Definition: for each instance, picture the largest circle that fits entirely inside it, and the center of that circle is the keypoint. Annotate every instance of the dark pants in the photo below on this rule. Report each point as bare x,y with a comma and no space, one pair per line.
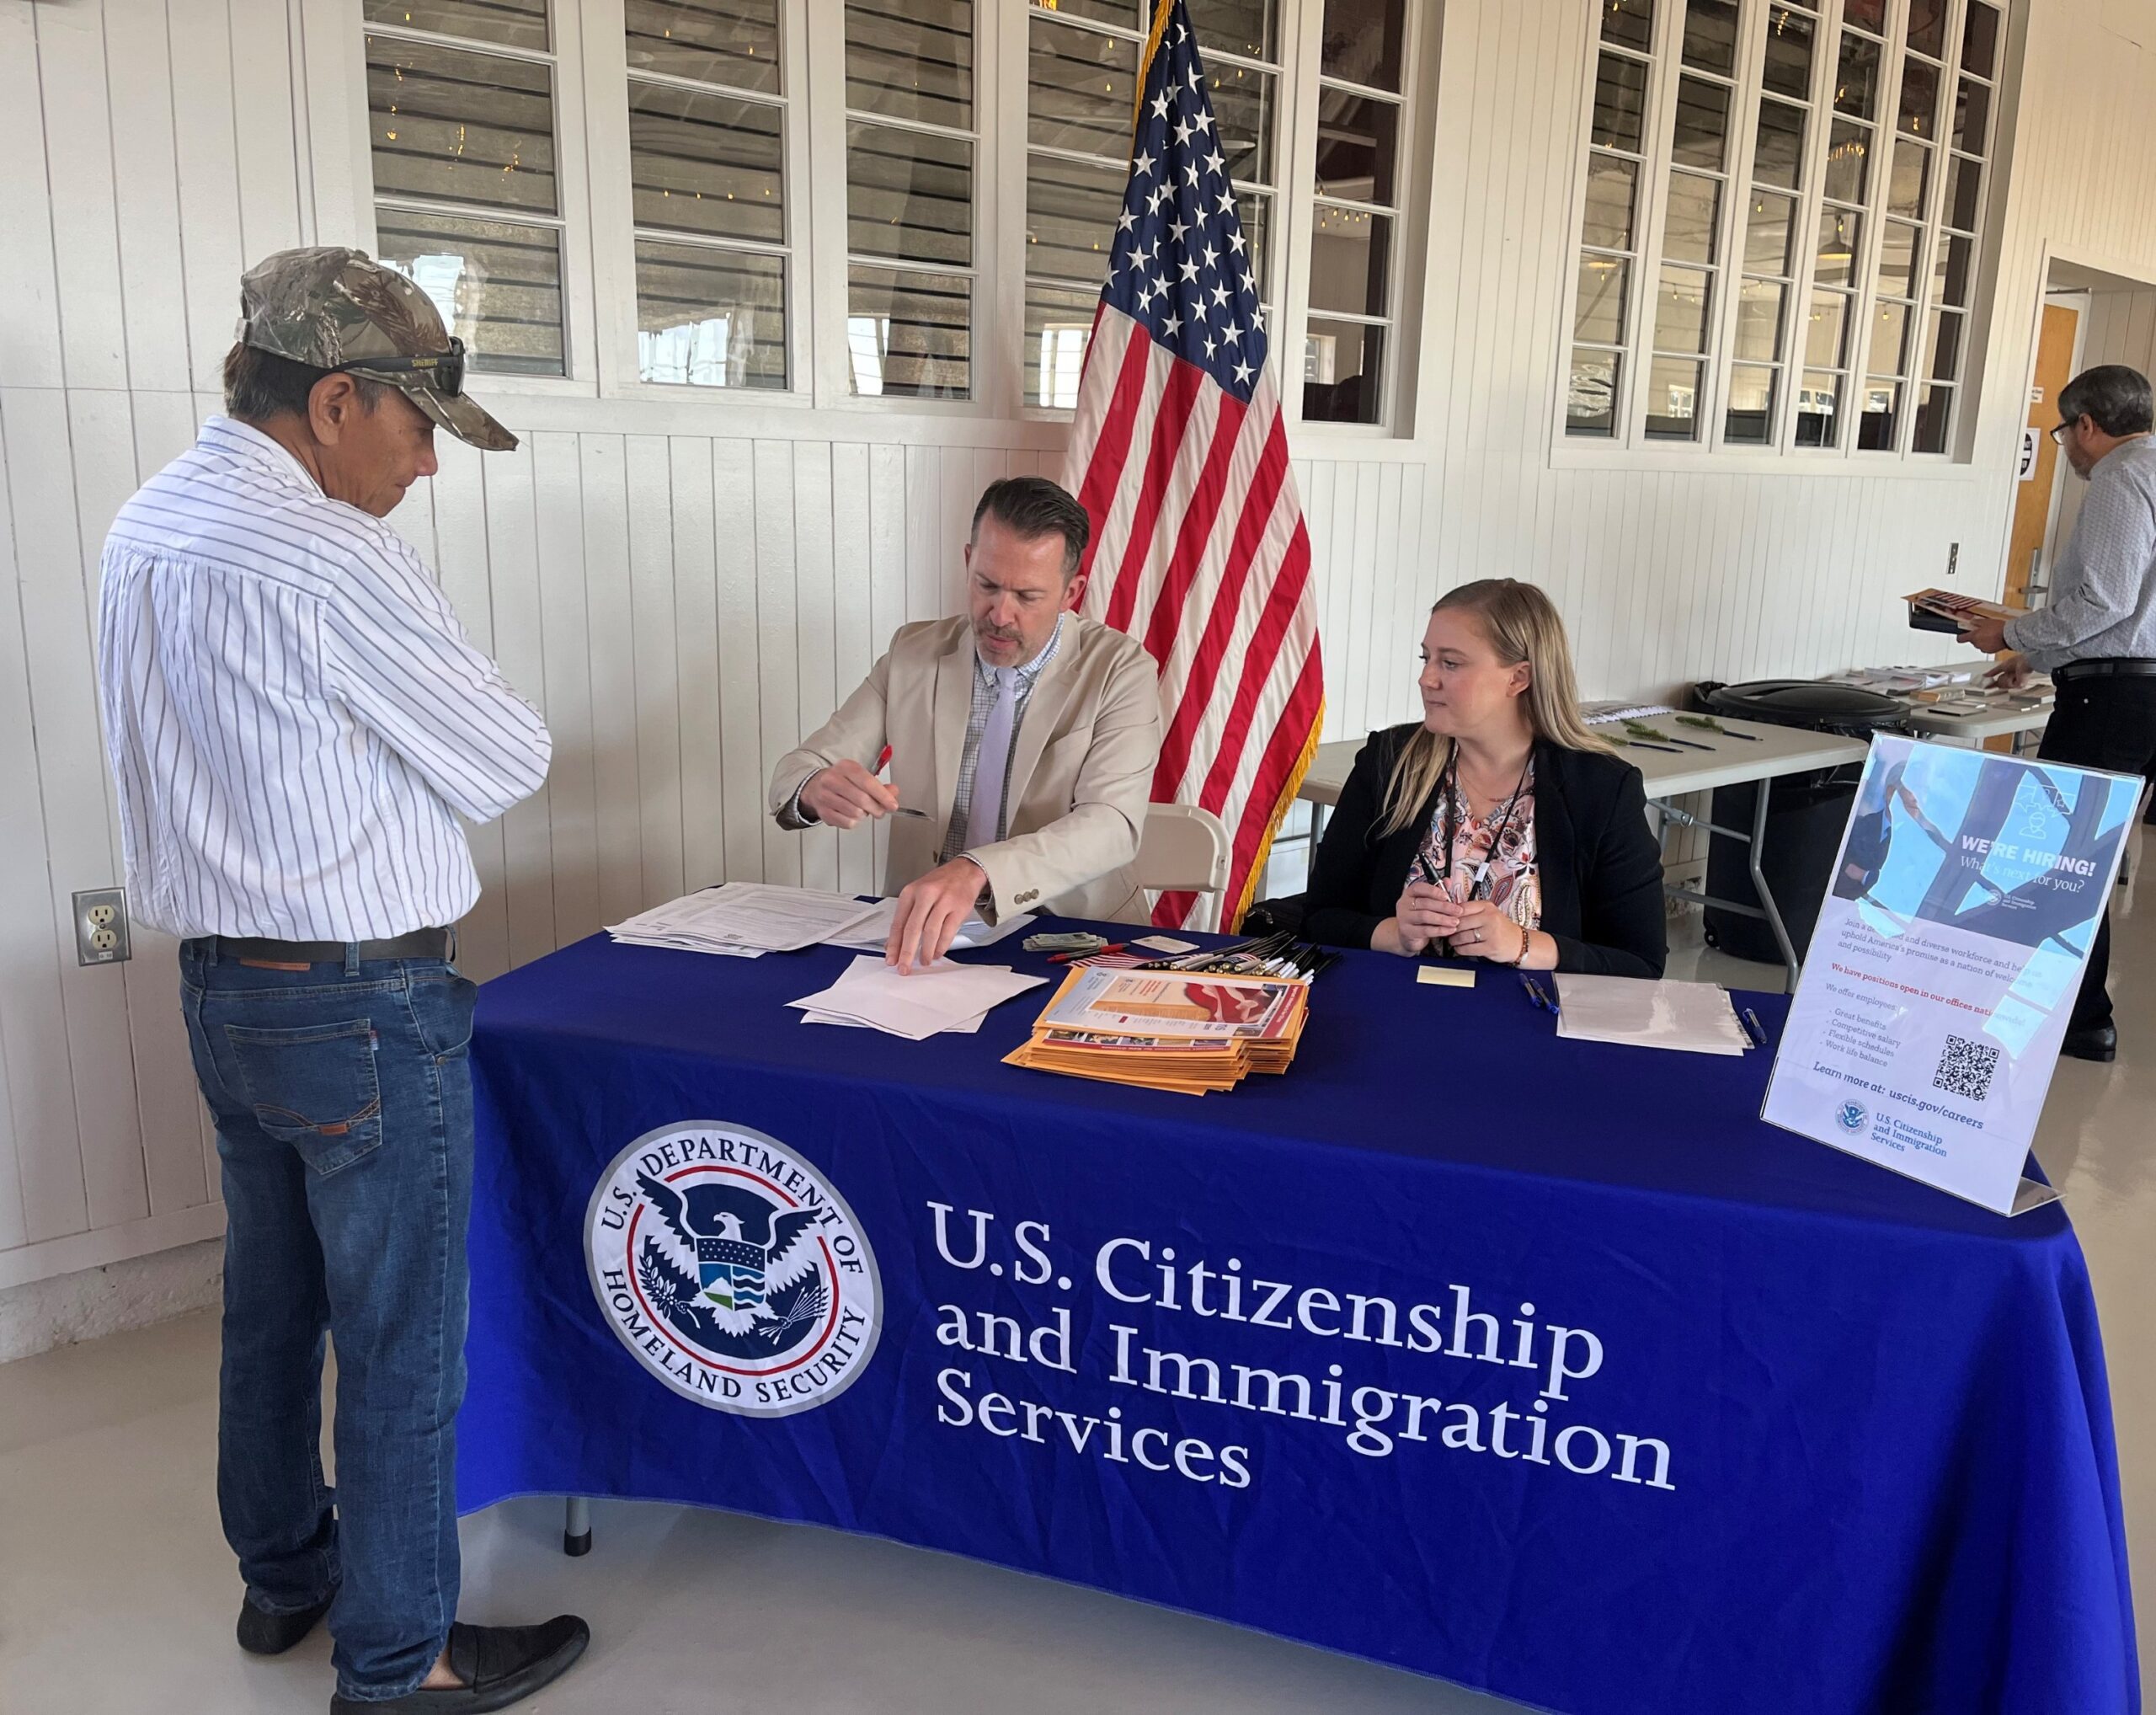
343,1100
2111,723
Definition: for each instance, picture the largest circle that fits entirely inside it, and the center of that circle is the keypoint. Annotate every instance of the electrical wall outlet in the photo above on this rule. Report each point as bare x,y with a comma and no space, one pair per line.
101,926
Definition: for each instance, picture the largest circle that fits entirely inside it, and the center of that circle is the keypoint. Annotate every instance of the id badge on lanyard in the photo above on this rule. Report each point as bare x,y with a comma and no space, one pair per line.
1455,812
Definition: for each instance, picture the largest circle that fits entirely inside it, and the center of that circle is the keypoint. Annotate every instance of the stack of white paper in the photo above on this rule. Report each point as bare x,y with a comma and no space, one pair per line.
744,919
937,998
1692,1016
1616,708
873,932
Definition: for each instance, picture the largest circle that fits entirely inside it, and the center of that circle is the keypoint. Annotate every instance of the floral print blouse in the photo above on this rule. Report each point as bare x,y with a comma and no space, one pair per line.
1513,882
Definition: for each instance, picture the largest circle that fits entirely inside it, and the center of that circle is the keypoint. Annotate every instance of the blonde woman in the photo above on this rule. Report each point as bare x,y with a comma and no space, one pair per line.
1501,828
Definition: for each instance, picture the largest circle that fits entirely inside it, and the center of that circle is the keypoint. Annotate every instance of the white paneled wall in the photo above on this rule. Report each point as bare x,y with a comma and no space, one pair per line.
686,587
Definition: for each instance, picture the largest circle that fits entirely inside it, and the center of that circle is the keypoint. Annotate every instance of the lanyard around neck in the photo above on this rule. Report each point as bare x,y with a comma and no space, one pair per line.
1455,810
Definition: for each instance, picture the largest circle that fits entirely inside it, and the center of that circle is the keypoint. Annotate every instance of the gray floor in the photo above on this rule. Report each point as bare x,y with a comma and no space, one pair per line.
116,1594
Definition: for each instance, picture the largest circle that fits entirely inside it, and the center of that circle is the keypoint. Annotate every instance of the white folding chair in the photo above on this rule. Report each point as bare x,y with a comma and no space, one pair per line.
1184,849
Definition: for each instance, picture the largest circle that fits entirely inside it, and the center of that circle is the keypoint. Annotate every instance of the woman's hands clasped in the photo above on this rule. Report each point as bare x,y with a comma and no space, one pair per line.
1427,913
1480,930
1422,907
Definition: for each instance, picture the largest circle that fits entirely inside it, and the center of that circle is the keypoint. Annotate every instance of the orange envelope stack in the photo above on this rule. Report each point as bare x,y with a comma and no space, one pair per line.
1167,1030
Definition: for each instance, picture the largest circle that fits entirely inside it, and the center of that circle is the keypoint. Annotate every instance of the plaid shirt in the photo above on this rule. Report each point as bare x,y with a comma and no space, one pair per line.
983,702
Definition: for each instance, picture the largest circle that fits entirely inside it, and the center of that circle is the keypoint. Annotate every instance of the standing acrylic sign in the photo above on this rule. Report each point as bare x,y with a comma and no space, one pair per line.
1927,1022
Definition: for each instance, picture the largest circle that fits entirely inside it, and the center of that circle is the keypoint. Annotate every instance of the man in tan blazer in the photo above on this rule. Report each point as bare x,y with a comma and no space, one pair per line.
1023,738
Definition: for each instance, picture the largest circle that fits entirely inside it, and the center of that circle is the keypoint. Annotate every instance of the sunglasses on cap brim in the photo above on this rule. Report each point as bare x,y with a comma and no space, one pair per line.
443,372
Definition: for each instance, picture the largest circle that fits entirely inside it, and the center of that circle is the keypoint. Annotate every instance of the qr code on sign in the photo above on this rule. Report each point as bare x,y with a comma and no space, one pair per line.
1965,1069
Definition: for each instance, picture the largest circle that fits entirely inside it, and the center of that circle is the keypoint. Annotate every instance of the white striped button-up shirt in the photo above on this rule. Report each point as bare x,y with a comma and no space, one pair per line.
293,714
2103,599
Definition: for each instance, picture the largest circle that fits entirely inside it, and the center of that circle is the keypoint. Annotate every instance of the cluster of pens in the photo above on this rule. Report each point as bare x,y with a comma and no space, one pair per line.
1277,954
1539,996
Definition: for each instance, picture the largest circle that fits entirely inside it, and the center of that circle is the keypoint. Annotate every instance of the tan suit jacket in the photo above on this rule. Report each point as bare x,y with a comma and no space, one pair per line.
1080,778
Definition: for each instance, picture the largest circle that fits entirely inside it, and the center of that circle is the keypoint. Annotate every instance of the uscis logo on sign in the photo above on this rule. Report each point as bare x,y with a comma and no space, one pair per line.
732,1269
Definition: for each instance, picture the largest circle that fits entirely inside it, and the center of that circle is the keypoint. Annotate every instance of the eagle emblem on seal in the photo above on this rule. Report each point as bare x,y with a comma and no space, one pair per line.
756,1269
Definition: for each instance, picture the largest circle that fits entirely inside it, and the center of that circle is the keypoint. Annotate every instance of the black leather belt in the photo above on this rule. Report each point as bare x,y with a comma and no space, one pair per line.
2119,668
420,944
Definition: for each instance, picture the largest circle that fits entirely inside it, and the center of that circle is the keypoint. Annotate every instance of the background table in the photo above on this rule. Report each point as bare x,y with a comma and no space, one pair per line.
1890,1483
1768,754
2005,715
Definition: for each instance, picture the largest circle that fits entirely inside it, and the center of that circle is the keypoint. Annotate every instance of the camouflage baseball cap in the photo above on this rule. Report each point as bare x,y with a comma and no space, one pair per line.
333,308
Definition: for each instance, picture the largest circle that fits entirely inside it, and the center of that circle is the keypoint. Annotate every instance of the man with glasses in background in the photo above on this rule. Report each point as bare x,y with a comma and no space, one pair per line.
2097,635
295,720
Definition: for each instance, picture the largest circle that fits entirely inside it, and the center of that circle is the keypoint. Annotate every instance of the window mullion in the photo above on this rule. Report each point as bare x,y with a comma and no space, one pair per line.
998,317
1812,198
1877,188
821,246
1295,204
606,89
1414,189
1656,171
1737,199
1932,243
469,44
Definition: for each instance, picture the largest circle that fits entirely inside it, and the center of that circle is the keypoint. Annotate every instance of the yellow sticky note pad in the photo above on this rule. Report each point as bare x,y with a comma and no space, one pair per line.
1444,977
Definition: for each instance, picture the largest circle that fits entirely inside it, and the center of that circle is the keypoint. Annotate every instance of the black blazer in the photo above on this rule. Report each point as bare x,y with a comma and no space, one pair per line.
1600,868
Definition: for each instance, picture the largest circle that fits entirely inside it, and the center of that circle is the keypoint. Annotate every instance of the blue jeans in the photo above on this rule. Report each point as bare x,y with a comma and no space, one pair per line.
342,1094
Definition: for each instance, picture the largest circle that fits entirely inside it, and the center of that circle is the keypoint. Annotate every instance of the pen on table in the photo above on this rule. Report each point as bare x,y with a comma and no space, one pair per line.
1753,1024
1640,730
1642,745
1708,724
1090,952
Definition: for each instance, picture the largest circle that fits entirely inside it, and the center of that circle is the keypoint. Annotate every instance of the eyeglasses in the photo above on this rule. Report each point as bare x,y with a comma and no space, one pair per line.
443,372
2057,432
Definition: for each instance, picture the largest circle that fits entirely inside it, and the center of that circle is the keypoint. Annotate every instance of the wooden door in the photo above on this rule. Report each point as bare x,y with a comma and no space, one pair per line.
2032,500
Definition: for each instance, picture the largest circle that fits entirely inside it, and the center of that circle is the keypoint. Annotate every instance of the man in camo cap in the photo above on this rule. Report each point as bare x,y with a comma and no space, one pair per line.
332,308
295,720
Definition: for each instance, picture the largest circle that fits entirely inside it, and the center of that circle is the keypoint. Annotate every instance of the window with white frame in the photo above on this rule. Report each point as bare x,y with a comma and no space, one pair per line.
1082,59
707,189
460,117
1780,190
910,137
1349,344
690,210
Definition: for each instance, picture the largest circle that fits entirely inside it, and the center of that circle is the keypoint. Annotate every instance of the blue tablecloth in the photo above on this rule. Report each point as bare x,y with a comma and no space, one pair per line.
1586,1386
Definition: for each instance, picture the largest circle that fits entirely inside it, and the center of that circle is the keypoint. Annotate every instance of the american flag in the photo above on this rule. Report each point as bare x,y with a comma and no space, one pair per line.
1179,456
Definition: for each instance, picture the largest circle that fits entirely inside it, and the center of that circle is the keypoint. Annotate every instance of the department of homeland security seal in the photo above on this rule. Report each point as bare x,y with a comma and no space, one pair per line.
732,1269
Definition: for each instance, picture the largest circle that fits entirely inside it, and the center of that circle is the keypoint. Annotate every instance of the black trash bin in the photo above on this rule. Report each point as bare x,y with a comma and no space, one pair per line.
1805,812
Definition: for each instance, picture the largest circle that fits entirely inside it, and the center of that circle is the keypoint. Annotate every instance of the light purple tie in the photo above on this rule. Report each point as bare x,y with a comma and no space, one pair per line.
984,815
